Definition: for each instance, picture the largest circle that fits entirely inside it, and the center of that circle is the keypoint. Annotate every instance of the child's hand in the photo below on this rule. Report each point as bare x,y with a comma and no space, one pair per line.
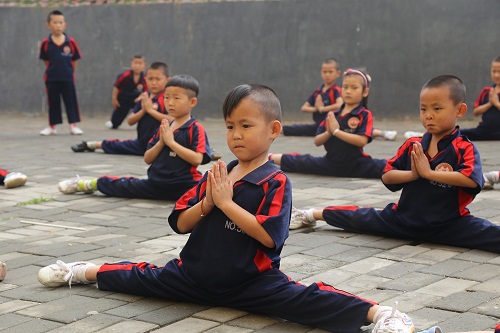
141,96
147,104
115,103
331,122
318,103
221,186
420,161
166,133
494,100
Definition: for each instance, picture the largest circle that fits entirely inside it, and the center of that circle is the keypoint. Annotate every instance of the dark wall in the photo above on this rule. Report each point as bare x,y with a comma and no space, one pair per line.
278,43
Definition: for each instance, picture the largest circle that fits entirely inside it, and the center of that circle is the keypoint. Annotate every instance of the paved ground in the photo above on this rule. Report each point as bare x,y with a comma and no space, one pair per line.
457,288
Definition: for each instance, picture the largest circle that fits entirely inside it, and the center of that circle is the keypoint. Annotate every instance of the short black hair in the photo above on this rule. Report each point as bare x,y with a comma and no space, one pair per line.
161,66
54,13
453,83
140,56
265,97
187,82
332,61
497,59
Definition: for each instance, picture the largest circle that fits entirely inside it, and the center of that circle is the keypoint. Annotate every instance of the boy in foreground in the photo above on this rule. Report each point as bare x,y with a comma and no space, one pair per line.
238,217
439,173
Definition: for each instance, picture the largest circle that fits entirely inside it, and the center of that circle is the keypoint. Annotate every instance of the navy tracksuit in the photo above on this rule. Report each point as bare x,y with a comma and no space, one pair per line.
220,265
428,211
489,127
128,91
3,173
342,159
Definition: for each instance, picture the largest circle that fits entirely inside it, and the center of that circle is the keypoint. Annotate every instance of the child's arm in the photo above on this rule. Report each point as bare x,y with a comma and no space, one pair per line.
320,106
307,107
152,153
482,108
114,98
188,155
333,129
421,163
134,117
147,105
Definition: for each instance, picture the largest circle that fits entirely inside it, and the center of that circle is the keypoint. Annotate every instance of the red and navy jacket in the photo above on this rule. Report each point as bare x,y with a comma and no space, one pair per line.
427,203
168,169
358,121
491,118
147,125
59,58
329,97
217,245
127,88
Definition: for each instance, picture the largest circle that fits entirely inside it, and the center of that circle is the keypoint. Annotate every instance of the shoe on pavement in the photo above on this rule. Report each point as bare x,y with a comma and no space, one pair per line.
434,329
60,273
299,220
395,322
215,155
48,131
81,147
108,124
390,135
15,179
3,270
410,134
490,178
75,130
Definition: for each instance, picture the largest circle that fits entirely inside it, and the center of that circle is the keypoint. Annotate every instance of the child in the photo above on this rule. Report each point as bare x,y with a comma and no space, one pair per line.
488,106
323,100
238,218
60,52
174,152
440,174
148,113
12,179
128,86
344,133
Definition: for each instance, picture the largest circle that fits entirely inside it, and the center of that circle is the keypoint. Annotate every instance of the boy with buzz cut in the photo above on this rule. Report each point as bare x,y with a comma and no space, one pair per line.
237,217
148,113
174,153
440,174
60,52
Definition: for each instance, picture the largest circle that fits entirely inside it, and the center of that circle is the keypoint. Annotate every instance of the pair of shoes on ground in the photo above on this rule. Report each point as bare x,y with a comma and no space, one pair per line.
389,135
81,147
490,178
299,220
52,131
70,186
60,273
15,179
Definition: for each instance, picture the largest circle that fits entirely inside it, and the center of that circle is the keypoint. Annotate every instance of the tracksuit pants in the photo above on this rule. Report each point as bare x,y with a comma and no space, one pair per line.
124,147
66,90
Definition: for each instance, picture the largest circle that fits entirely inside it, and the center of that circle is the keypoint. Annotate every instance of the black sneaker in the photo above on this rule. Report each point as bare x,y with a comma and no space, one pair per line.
81,147
215,155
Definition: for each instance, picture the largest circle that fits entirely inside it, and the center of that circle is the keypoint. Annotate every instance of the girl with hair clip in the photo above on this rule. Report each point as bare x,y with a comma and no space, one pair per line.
343,133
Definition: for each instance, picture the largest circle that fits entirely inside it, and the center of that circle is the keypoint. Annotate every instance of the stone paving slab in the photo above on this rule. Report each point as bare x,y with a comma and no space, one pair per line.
456,288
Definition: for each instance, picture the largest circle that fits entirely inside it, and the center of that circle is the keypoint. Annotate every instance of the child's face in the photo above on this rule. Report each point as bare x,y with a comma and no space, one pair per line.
57,24
156,80
438,112
249,134
178,103
137,65
495,72
329,73
352,89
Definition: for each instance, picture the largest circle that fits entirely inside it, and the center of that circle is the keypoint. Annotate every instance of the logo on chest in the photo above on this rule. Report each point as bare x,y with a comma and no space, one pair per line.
140,87
443,167
230,225
67,51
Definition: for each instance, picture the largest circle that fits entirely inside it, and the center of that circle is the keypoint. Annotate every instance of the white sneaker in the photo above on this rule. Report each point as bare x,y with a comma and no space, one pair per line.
48,131
299,220
410,134
396,322
3,270
108,124
75,130
490,178
59,274
390,135
15,179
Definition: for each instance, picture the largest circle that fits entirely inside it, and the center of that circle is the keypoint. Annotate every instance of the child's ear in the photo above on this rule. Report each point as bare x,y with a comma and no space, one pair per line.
366,92
462,110
193,102
275,129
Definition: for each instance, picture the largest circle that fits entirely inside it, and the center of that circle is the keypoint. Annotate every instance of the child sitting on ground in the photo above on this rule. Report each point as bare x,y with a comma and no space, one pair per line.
439,173
174,152
237,217
147,114
343,133
127,87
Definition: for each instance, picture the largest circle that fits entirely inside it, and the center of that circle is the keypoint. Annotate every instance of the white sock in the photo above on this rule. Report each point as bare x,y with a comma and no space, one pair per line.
79,272
91,144
309,215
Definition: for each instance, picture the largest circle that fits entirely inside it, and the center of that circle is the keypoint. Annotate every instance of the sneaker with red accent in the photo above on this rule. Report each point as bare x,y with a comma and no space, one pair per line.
395,322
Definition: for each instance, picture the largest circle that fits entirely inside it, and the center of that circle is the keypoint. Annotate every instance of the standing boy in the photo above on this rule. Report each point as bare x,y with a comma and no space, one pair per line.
60,52
174,153
238,218
148,113
439,173
127,87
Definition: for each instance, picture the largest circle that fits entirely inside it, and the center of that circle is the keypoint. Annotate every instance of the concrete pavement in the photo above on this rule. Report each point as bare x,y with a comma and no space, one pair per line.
456,288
